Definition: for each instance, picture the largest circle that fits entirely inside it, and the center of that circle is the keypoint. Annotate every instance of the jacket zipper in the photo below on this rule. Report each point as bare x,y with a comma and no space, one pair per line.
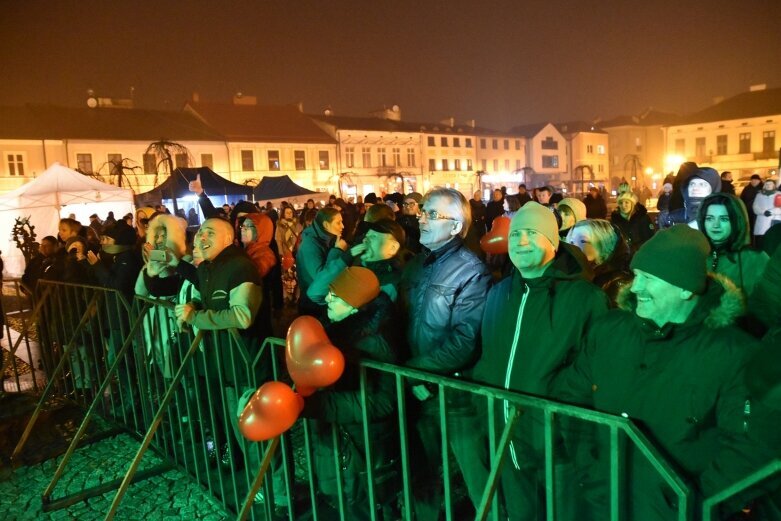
510,364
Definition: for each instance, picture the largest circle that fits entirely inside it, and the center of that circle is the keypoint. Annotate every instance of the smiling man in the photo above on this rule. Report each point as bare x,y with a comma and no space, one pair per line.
533,323
670,359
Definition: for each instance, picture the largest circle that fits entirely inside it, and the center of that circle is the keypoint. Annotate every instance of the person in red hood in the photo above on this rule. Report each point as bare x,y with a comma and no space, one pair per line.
257,232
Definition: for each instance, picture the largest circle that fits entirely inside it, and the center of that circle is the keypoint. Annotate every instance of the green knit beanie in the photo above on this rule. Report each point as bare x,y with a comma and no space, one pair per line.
677,255
534,216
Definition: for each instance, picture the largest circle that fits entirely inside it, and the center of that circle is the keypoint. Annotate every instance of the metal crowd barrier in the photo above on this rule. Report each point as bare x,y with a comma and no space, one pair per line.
19,342
177,392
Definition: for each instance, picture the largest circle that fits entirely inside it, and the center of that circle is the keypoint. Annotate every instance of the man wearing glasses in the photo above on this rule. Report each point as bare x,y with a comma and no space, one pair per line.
444,289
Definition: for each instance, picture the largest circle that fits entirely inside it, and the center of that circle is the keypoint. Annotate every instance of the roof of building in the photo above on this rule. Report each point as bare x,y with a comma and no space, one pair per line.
389,125
573,127
649,117
765,102
260,123
528,130
55,122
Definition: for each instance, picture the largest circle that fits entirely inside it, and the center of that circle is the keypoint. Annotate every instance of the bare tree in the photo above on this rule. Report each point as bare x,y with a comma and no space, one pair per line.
633,163
164,152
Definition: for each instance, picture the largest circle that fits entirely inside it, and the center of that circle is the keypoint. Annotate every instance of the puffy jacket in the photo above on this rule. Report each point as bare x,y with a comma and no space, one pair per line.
765,202
637,229
681,383
310,260
444,295
259,250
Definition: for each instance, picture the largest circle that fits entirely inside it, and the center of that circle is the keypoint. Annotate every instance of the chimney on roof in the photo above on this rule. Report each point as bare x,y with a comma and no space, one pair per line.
115,103
472,123
393,113
450,122
242,99
757,87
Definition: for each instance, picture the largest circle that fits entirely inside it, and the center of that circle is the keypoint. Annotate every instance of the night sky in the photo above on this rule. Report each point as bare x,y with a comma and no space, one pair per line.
501,63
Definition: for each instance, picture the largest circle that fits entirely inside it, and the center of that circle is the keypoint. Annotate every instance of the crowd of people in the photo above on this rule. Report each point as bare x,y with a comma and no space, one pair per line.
673,323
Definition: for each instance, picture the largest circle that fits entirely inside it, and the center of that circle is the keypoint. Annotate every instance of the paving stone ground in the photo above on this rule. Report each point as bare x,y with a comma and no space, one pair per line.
171,496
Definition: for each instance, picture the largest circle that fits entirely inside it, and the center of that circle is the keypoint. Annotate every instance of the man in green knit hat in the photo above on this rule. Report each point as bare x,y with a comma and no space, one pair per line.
671,360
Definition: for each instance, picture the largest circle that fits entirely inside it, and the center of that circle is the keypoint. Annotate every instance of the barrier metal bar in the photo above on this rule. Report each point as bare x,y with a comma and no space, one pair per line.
749,481
404,441
23,334
46,498
367,443
39,407
615,475
496,465
550,481
152,429
258,482
491,414
444,447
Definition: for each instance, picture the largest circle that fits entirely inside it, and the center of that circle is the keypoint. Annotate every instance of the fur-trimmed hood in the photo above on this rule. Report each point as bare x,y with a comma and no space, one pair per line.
719,306
175,232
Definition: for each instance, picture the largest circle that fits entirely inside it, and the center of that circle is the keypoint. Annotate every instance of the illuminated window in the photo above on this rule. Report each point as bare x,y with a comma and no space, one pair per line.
507,144
115,162
349,154
601,150
396,156
15,163
469,164
517,164
456,142
496,165
468,142
443,141
182,160
458,164
517,144
432,165
381,159
589,149
273,160
410,157
247,161
721,145
484,165
207,160
366,157
150,163
745,143
445,164
769,141
549,144
699,147
324,160
495,144
431,141
83,163
300,158
550,161
482,143
507,164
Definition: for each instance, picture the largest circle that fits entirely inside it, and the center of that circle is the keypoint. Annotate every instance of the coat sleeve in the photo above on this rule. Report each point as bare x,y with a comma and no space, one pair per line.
310,260
767,292
336,263
206,206
244,302
460,346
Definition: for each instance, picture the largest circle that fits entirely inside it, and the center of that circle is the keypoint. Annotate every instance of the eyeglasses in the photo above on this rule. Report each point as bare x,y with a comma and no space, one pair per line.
433,215
408,204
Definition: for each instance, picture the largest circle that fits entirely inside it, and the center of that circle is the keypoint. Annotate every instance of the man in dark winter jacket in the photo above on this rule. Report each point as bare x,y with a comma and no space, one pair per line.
495,208
748,195
532,326
726,183
596,208
444,290
695,186
671,360
316,241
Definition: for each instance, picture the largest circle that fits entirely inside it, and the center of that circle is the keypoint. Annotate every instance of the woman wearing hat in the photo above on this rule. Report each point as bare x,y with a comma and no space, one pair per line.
766,210
633,221
361,323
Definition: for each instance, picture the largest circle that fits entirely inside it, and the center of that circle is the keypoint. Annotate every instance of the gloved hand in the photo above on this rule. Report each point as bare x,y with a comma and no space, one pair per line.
768,213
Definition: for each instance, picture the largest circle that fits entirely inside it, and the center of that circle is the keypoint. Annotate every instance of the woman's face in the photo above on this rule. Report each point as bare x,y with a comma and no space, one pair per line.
625,206
248,232
288,213
582,239
769,186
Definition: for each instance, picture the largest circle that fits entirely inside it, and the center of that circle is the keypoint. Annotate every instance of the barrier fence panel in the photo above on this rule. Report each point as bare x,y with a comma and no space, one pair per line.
375,452
22,363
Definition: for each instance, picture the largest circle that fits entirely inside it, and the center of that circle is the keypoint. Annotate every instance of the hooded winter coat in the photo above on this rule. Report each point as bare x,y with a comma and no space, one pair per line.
259,250
310,260
734,259
681,384
613,273
691,205
637,229
764,204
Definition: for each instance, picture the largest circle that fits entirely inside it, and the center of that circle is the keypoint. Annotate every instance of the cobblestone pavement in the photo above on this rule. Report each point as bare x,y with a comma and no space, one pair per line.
169,497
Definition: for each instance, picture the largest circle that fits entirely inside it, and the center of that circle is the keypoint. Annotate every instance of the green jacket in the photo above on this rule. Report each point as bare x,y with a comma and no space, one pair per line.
682,384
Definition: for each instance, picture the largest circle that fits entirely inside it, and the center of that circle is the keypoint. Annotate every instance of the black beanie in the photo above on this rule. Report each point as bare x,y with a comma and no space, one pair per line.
677,255
122,234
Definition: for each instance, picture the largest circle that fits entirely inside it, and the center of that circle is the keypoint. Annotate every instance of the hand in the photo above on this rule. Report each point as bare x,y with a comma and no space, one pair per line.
768,213
155,268
341,244
145,249
421,392
184,312
92,258
195,186
358,249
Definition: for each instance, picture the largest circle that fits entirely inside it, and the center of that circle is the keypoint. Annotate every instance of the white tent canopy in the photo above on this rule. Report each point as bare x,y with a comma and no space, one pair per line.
57,192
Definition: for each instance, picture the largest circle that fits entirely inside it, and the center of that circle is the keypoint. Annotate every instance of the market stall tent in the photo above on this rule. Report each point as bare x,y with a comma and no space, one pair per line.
281,188
58,192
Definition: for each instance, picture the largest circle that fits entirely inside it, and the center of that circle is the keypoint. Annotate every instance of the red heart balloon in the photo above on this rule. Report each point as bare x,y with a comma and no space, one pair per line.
271,410
495,241
777,201
287,261
311,359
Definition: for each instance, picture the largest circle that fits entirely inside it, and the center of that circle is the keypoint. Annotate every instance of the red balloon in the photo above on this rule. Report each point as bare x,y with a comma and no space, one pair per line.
311,359
271,410
495,241
777,201
288,261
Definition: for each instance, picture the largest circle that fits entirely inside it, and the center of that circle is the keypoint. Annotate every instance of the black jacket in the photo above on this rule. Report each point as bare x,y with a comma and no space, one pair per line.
637,229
